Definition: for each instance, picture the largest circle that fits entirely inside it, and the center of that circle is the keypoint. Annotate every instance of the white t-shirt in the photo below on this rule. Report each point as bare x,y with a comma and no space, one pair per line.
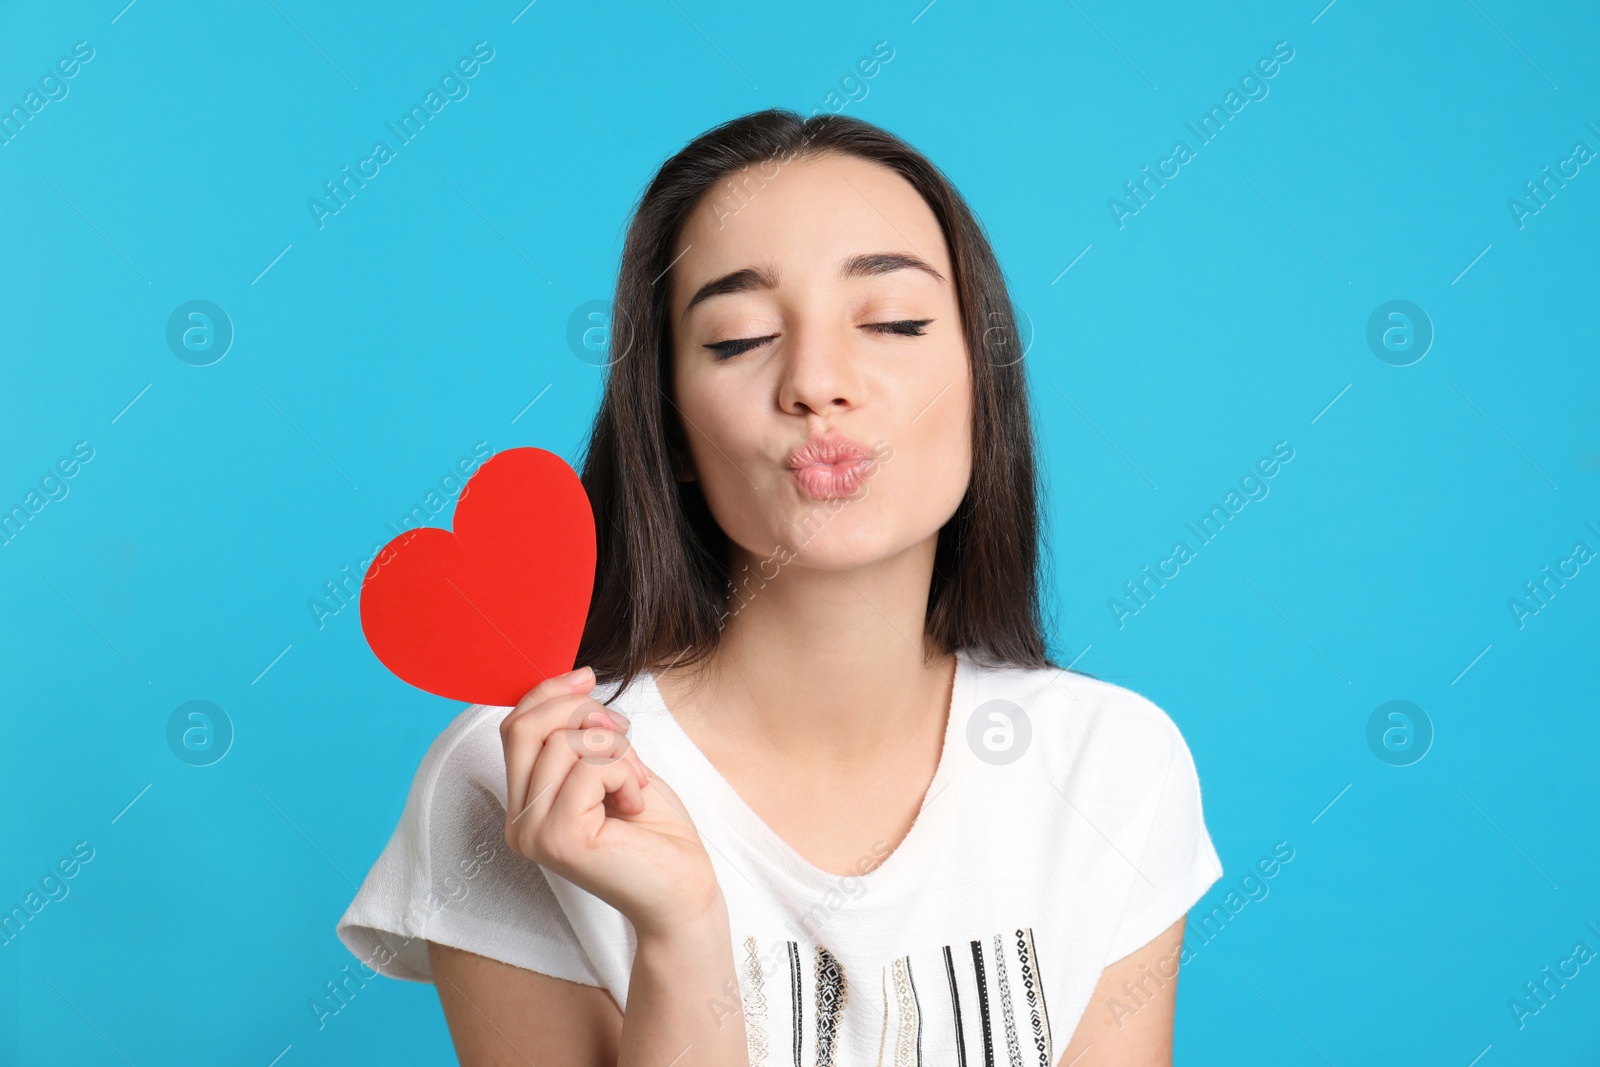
987,927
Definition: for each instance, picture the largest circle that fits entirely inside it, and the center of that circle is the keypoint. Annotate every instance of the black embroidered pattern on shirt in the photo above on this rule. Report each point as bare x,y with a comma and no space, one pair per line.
902,1040
1012,1048
831,991
795,1000
917,1002
1035,989
955,1007
983,1004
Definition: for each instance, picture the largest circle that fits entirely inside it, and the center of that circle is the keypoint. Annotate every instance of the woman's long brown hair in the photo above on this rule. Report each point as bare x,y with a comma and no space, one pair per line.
661,577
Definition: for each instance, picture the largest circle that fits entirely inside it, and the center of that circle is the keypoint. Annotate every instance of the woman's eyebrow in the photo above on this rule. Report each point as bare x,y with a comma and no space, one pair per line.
884,263
739,281
766,277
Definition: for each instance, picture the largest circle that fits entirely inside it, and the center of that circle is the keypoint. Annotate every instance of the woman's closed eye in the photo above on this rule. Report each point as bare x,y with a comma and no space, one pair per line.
736,346
906,327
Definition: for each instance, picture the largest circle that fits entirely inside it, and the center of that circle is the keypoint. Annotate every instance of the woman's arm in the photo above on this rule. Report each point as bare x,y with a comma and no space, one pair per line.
581,803
678,1001
1128,1022
505,1016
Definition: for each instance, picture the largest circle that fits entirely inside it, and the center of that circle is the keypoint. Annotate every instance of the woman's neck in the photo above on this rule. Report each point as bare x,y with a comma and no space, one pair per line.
830,668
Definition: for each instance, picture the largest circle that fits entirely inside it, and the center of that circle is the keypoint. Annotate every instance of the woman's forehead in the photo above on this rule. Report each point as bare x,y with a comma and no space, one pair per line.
809,216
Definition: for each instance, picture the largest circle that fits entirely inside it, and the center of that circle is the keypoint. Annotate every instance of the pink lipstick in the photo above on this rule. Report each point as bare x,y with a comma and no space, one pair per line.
831,465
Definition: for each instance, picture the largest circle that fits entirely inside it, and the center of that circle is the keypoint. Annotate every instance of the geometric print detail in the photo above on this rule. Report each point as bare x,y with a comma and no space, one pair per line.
796,1001
989,982
983,1003
831,992
755,1004
1012,1050
1035,992
981,998
908,1039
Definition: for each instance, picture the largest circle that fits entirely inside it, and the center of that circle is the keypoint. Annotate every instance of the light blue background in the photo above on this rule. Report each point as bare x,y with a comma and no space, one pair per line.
426,315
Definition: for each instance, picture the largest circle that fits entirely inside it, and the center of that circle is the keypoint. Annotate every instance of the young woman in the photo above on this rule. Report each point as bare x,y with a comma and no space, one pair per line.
817,794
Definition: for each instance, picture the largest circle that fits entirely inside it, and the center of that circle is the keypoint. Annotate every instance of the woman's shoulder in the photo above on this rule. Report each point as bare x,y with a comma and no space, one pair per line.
1091,741
1109,779
467,748
1072,713
448,876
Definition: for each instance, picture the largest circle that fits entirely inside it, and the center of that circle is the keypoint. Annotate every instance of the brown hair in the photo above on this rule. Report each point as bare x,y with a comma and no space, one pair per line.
661,575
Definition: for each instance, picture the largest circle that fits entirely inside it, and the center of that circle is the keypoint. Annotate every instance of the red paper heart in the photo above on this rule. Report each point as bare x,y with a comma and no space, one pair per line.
486,611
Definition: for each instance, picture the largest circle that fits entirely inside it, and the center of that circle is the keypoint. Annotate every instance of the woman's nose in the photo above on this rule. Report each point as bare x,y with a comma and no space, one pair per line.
820,369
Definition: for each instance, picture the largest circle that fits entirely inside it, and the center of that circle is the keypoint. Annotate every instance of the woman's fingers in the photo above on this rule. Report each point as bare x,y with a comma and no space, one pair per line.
555,731
629,799
524,729
607,719
538,787
555,686
573,744
523,734
516,734
566,805
586,787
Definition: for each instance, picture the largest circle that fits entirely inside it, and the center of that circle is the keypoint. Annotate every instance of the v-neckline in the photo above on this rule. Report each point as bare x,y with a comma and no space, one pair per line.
895,876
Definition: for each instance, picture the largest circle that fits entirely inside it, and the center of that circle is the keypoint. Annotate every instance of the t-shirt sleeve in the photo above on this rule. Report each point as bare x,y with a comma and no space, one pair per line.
448,876
1179,862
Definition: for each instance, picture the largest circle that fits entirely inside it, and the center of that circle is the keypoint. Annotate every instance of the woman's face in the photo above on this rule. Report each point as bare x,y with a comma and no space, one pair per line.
835,282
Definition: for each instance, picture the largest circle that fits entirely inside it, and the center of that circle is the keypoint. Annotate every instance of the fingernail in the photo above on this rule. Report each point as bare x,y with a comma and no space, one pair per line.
621,723
579,676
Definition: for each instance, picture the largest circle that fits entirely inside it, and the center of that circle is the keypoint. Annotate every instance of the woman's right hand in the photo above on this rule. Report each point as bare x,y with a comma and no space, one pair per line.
580,802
